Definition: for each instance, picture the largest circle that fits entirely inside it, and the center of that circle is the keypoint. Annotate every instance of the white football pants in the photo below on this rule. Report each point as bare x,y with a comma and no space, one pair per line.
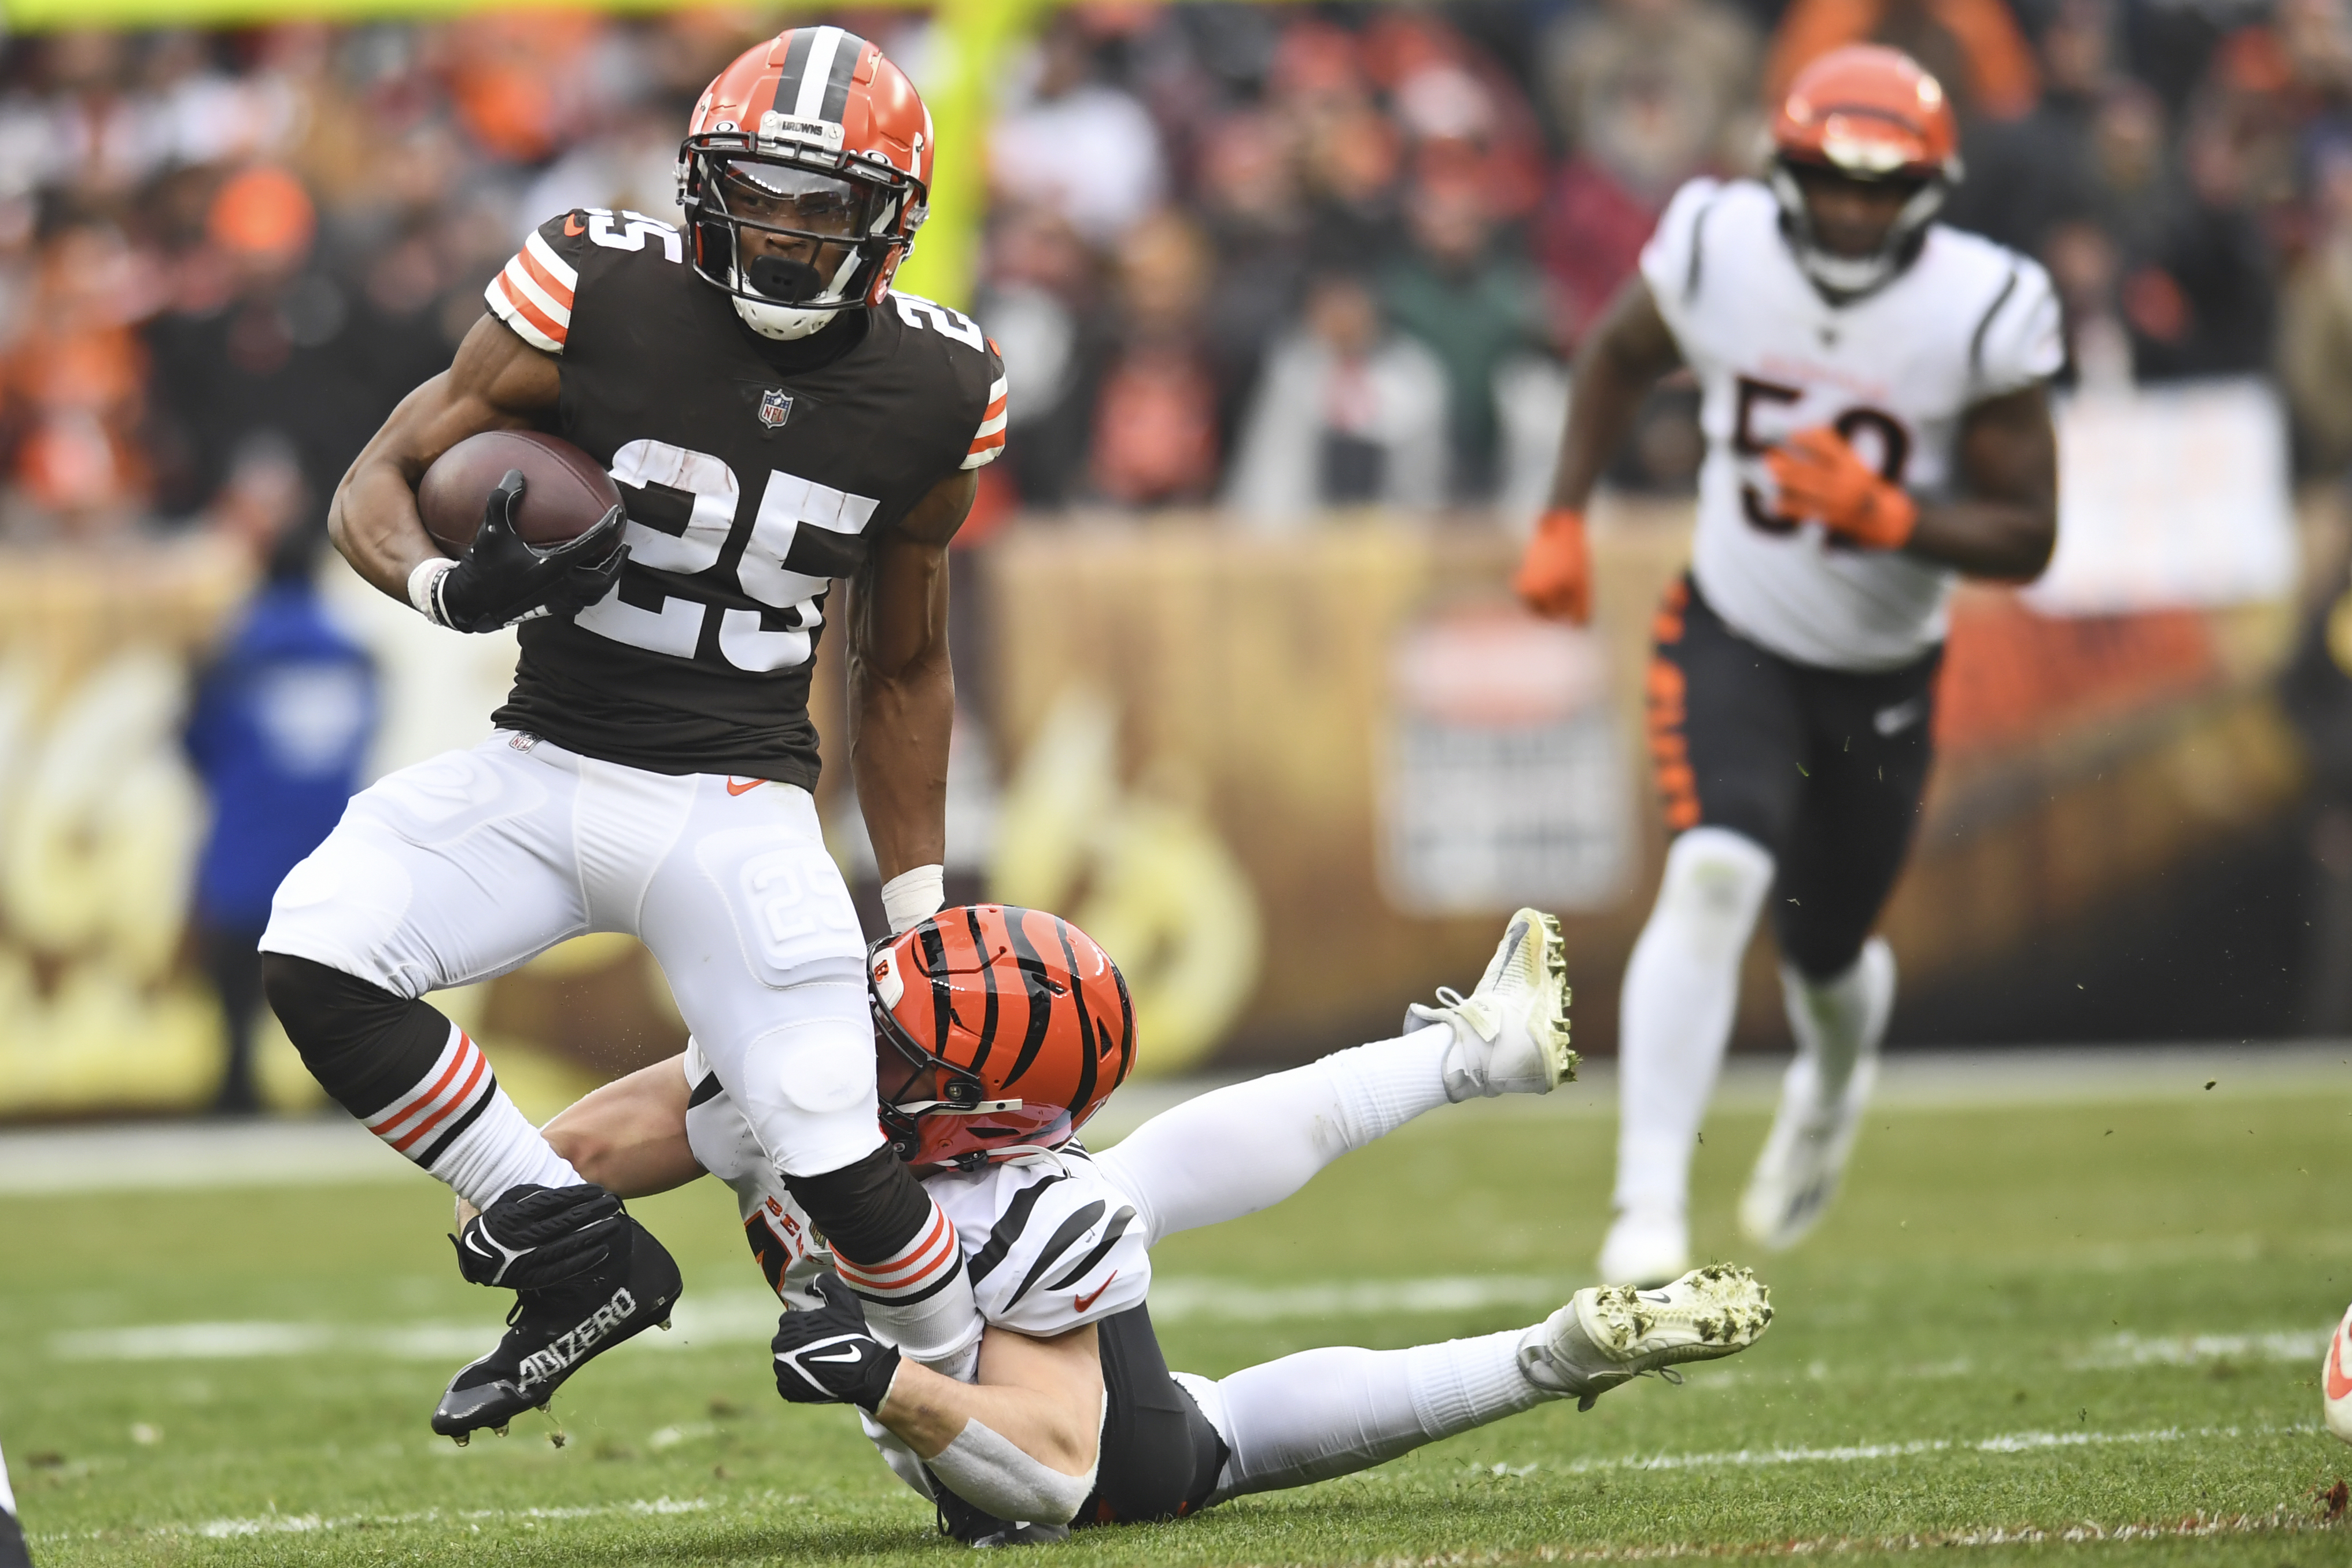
470,864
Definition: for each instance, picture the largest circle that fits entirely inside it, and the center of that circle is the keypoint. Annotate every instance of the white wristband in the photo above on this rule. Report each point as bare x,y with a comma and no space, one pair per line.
992,1473
913,897
421,583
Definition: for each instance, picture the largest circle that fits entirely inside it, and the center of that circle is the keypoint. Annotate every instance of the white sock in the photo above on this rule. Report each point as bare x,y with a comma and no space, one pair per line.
8,1498
1681,987
459,1124
1838,1021
1325,1412
1247,1146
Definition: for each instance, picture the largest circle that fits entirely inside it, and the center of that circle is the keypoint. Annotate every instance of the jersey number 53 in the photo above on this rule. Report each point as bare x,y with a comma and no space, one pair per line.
1894,447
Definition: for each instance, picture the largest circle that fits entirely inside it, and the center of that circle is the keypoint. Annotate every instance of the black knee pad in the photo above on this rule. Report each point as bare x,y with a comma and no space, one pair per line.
366,1046
869,1211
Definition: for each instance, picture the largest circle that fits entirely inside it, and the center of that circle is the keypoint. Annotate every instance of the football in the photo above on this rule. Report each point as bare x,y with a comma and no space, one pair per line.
565,491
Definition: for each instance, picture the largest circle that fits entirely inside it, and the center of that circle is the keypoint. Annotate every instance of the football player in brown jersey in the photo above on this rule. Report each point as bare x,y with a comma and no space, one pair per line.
776,417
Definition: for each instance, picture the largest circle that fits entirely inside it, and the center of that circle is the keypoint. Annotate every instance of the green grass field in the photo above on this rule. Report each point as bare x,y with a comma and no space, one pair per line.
2042,1333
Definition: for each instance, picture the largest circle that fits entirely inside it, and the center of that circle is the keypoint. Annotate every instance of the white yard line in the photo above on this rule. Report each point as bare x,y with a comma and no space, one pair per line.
2195,1527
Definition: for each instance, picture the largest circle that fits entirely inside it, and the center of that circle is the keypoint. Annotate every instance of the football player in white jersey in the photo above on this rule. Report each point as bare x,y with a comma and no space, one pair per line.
1877,427
1001,1031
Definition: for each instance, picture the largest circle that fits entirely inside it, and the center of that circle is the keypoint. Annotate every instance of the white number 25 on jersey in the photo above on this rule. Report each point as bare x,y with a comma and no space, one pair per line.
788,505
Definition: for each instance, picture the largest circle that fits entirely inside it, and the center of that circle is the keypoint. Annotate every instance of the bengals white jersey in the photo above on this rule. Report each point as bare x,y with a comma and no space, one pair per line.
1049,1242
1893,372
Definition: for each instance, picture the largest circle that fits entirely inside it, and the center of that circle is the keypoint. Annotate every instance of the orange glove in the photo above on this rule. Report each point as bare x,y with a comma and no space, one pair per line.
1555,577
1820,477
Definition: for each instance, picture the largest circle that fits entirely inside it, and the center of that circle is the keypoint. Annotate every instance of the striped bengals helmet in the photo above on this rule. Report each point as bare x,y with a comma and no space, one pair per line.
1000,1030
1865,112
817,139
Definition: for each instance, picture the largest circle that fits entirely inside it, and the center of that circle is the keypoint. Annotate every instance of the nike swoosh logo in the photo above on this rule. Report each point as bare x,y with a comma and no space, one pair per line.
1082,1303
745,787
2339,1385
848,1353
571,225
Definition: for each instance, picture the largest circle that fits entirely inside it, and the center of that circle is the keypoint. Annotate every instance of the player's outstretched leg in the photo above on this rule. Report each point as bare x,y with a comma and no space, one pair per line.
1838,1024
1510,1034
2336,1380
1682,986
1325,1412
1246,1147
585,1276
13,1552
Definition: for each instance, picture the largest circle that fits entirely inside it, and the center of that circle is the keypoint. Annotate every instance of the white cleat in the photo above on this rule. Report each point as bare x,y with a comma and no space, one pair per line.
1803,1160
1510,1034
1608,1334
1646,1249
2336,1381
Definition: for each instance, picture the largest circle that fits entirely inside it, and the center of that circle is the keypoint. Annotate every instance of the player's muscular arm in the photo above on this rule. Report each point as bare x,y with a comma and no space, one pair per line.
901,689
497,382
629,1136
2006,523
1621,360
1043,1396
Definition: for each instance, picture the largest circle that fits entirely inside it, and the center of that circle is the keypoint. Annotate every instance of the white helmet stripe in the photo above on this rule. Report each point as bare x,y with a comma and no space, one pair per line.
817,74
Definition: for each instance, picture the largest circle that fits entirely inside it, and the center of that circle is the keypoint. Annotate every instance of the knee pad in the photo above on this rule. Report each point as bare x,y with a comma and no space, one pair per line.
366,1046
1715,884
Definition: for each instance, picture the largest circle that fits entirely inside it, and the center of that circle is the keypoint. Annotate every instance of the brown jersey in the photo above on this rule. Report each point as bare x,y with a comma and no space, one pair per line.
755,473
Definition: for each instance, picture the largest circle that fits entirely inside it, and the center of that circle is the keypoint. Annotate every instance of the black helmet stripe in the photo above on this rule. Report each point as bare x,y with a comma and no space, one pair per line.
814,83
935,962
988,986
1040,989
1086,1089
836,83
788,81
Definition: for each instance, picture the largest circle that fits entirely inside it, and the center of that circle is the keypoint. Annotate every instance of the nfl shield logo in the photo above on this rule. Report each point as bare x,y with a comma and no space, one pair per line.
774,408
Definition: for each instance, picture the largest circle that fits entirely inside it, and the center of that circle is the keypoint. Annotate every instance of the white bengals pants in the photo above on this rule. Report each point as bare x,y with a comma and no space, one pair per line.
468,865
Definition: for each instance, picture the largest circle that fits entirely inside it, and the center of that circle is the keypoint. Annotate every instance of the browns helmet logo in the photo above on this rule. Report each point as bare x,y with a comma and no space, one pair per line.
998,1030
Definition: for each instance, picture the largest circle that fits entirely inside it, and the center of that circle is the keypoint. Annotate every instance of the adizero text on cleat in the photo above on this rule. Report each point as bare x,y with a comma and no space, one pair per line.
1608,1334
556,1330
1510,1034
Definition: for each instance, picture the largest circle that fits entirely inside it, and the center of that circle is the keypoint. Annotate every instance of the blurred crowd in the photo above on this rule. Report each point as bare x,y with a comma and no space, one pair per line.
1273,257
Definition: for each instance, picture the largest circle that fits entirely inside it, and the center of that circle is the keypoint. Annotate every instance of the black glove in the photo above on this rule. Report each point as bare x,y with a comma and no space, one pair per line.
501,579
825,1355
534,1237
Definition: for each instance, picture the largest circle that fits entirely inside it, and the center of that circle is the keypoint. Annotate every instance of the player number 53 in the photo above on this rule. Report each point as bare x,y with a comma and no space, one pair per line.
1893,440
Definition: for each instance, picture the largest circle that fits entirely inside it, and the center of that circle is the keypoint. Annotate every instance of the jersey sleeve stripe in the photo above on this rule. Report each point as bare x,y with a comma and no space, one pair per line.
531,324
524,288
1111,1233
1976,339
1008,1229
548,270
982,454
1063,1239
993,423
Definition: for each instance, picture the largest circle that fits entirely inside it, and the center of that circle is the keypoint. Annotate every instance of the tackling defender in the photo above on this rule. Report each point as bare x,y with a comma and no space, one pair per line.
1064,1410
1877,427
775,417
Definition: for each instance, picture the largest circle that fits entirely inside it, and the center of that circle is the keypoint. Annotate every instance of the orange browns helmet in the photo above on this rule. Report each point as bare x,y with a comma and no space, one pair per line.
1866,112
999,1029
813,136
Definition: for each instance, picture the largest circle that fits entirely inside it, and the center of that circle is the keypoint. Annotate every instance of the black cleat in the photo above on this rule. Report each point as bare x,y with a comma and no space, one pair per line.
585,1276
